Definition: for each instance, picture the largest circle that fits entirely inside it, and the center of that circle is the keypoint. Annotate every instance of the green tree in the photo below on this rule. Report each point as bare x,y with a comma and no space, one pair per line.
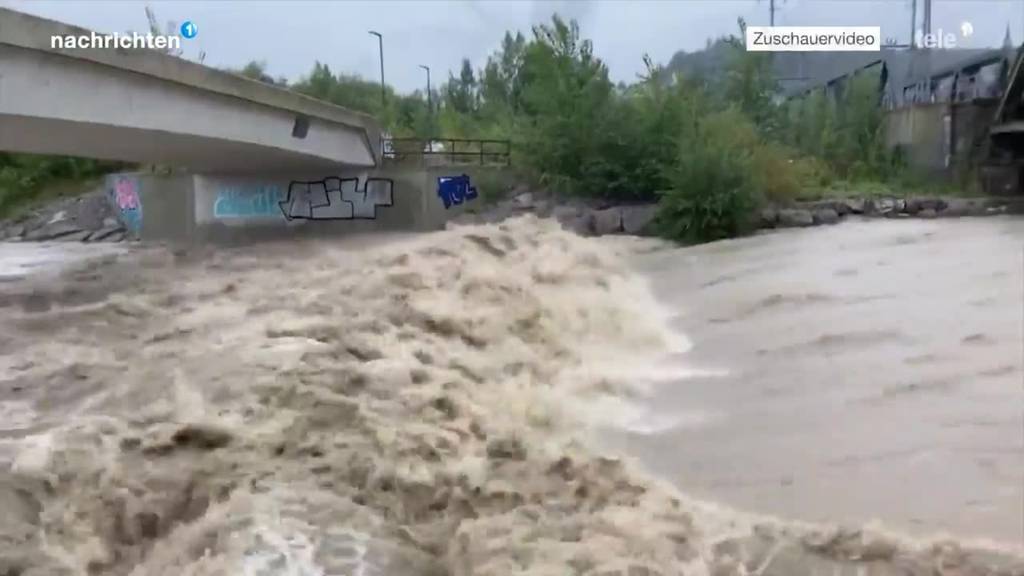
345,90
565,99
460,94
257,70
750,82
500,84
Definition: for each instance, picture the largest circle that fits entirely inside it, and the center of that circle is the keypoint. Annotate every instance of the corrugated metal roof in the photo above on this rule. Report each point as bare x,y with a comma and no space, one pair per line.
801,71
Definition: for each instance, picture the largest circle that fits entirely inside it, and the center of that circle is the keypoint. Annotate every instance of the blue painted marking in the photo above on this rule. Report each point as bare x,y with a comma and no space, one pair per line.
455,190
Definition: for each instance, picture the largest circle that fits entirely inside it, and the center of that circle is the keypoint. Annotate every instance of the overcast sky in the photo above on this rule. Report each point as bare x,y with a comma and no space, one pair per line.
290,35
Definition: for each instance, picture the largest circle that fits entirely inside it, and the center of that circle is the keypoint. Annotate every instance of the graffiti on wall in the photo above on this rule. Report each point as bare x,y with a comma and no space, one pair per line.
124,193
248,201
337,199
455,190
332,198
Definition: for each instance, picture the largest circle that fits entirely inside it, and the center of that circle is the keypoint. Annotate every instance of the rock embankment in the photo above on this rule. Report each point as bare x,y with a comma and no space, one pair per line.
586,217
589,217
832,211
87,218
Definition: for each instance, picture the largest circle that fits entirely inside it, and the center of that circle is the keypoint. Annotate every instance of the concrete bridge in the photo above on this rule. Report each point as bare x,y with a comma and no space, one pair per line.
146,106
249,159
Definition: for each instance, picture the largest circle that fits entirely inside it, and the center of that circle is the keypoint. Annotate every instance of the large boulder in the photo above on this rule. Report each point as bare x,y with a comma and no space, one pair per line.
542,208
80,236
637,219
769,217
13,231
917,205
856,205
793,217
107,231
1013,205
879,206
54,231
964,207
608,221
523,201
92,210
573,218
564,212
825,216
840,207
582,225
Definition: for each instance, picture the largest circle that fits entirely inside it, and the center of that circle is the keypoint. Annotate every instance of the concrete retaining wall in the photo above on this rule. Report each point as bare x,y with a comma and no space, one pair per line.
920,131
232,208
941,139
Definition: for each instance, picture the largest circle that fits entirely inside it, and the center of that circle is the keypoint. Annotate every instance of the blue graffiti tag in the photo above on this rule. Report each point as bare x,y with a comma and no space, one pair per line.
455,190
256,201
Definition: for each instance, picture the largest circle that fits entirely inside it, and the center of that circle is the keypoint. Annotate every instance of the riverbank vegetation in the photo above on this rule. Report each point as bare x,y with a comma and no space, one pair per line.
27,179
711,148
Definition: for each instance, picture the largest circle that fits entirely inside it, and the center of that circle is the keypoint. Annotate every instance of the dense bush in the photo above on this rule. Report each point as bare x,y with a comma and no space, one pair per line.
724,170
845,131
712,193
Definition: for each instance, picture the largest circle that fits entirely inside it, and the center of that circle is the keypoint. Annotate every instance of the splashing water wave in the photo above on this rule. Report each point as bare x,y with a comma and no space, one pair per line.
417,406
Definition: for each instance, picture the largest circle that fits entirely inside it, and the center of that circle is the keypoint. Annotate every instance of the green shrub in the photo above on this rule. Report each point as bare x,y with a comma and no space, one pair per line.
775,174
712,194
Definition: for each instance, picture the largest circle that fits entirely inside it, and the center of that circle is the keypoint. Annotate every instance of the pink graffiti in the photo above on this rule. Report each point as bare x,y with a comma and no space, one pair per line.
126,196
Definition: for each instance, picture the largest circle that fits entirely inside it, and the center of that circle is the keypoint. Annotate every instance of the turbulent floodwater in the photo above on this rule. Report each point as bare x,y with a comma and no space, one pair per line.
866,371
393,406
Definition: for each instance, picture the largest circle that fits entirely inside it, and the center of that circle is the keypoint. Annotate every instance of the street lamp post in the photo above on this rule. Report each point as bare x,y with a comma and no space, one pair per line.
380,45
430,102
430,107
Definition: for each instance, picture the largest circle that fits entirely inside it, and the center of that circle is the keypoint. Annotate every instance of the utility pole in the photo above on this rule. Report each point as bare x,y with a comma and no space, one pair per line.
771,12
913,24
927,25
380,45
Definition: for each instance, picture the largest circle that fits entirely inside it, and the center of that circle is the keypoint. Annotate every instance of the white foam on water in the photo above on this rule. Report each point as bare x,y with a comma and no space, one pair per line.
16,415
19,259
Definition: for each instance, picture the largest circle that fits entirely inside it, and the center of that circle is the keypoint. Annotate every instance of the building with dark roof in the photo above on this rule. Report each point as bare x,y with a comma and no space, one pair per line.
910,76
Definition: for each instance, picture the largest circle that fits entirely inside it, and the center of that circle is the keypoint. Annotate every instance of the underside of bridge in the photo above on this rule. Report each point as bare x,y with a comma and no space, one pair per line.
146,106
103,141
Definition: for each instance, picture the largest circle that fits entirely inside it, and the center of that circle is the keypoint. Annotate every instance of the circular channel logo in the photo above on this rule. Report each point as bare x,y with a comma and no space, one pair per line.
188,29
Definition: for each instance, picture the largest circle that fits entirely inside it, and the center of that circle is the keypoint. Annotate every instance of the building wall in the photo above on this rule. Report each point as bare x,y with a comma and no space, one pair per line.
919,130
972,121
940,139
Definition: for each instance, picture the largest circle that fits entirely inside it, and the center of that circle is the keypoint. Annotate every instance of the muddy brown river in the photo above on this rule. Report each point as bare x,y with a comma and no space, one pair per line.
859,372
833,400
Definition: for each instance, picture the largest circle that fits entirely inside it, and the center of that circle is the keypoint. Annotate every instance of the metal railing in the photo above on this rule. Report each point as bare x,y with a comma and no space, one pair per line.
453,150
